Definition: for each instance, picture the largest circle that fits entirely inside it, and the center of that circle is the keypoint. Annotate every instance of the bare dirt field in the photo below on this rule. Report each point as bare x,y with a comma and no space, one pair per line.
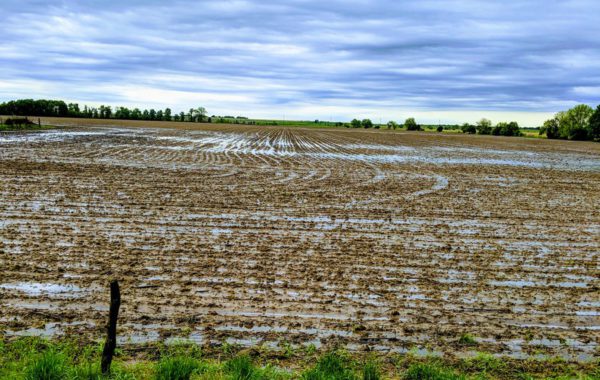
271,235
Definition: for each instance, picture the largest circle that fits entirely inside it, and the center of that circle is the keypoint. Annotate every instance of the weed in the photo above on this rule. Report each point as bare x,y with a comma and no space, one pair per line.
371,371
241,368
331,366
467,339
50,365
429,371
176,368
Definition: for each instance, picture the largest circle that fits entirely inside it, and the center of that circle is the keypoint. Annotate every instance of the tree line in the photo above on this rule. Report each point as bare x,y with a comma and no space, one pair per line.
482,127
581,122
410,124
58,108
485,127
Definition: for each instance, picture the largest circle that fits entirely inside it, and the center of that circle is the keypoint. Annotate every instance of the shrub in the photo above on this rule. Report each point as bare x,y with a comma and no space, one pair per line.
440,129
18,122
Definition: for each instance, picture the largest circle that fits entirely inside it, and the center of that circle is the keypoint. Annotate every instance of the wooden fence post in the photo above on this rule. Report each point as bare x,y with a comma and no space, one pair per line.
111,338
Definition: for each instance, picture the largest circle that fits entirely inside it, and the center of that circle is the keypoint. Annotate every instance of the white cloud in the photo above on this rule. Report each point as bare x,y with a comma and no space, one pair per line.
451,61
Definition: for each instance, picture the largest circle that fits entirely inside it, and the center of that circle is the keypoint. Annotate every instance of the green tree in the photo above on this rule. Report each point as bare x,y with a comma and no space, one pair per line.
152,114
201,113
498,128
594,131
136,114
575,123
512,129
551,128
356,123
167,114
484,127
107,112
411,125
440,128
468,128
367,123
392,125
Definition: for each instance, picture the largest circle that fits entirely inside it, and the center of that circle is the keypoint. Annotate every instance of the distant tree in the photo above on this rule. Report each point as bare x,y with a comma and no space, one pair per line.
123,113
182,116
152,114
73,110
159,115
468,128
551,128
594,131
440,128
136,114
355,123
484,127
411,125
30,107
367,123
512,129
167,114
392,124
146,115
498,128
201,113
575,123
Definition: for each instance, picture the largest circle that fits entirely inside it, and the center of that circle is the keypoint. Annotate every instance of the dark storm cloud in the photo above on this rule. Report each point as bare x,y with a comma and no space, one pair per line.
317,57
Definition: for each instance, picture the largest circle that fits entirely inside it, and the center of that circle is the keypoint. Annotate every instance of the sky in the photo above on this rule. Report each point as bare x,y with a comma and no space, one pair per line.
438,61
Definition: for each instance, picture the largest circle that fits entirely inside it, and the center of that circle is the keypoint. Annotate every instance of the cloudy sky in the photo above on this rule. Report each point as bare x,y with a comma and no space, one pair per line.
451,60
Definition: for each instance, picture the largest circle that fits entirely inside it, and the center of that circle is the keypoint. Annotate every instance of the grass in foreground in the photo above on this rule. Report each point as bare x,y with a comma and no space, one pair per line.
38,359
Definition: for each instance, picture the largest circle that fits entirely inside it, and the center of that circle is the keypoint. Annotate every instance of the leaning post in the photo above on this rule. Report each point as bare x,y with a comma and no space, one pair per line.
111,338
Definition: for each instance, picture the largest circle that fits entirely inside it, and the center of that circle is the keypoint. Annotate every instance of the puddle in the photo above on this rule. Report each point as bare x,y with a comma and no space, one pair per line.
49,330
47,289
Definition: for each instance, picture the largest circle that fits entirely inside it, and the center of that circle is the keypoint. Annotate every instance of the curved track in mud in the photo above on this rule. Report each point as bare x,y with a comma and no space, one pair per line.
387,241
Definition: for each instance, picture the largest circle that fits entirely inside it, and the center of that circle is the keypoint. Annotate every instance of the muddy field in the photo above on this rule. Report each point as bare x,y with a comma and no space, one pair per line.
370,240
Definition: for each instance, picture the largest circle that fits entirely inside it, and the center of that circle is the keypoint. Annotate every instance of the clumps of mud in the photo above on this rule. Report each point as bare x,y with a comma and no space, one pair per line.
277,236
